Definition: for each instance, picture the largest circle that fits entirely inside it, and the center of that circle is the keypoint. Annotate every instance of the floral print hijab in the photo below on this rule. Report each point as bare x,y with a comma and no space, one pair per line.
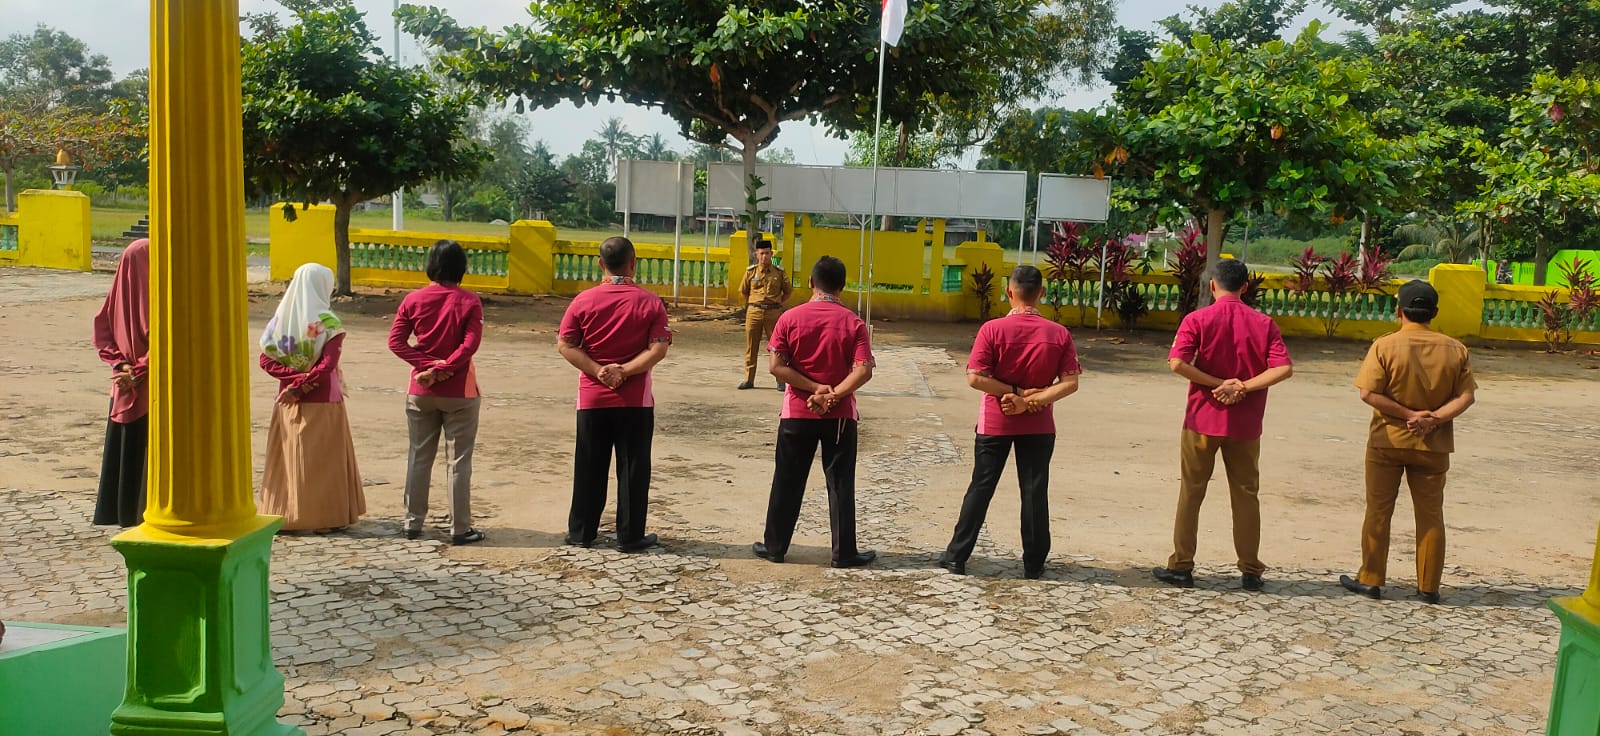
305,321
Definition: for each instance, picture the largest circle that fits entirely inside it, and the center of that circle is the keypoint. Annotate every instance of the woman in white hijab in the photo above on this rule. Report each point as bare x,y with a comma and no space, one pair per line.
311,479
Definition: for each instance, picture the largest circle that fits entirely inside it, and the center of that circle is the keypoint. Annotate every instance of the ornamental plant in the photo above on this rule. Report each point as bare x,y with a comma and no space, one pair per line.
983,288
1189,267
1068,261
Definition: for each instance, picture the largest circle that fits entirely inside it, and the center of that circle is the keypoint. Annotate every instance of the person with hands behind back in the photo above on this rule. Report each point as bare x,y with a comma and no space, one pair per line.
614,333
1417,382
823,352
447,322
1231,354
1023,363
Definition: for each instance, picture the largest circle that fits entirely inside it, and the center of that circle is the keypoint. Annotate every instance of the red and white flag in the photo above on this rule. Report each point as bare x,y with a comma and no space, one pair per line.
894,21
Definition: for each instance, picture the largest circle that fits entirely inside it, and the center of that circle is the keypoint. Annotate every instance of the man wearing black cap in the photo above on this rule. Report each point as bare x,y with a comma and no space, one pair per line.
765,289
1417,381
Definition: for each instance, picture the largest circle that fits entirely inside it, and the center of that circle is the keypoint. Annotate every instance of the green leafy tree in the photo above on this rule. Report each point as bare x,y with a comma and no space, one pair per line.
1543,176
1222,128
57,95
733,74
326,117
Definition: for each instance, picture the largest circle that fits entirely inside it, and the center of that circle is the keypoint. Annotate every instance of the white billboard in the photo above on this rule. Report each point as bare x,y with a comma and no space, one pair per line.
983,195
1073,198
648,187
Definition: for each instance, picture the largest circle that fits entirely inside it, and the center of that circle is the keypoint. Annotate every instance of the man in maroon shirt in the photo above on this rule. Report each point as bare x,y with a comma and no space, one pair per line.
447,322
823,352
1023,363
1230,353
614,332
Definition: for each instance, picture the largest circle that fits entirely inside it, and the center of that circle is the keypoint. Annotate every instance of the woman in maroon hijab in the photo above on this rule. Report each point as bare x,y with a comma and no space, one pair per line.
122,335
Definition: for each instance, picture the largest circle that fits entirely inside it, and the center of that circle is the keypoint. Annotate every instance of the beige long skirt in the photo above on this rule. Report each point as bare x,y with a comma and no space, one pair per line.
311,478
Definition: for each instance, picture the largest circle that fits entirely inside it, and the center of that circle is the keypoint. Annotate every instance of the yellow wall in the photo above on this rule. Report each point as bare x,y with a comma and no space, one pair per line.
52,230
309,239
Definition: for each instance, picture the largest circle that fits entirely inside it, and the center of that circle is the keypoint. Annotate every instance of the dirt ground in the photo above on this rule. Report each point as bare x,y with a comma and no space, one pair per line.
1522,498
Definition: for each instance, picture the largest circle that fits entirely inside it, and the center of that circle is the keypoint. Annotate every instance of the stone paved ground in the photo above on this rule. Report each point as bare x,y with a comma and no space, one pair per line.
377,635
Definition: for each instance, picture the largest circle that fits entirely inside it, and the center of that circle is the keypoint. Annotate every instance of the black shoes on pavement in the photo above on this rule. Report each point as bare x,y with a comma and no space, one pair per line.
1359,588
760,550
1178,578
955,566
1252,583
639,545
856,560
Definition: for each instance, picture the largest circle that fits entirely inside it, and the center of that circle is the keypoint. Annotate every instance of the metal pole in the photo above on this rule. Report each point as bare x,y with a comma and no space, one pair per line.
625,165
705,258
677,232
1035,239
872,238
861,266
1100,298
399,196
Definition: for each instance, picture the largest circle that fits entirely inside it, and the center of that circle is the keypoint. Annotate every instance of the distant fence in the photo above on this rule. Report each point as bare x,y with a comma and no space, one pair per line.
914,277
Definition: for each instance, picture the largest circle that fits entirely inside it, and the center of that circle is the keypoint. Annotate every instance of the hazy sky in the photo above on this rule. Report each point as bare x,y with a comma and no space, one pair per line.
119,29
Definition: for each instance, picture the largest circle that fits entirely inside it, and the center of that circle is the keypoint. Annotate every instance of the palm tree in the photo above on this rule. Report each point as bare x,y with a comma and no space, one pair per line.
655,148
615,137
1445,238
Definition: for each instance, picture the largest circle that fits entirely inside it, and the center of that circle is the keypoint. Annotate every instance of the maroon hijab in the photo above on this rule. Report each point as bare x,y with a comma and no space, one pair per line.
122,330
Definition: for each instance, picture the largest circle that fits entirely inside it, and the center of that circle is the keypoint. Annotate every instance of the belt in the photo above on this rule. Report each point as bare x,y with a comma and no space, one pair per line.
767,305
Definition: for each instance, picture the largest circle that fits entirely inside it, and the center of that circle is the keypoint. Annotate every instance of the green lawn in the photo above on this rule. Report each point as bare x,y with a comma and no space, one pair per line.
108,223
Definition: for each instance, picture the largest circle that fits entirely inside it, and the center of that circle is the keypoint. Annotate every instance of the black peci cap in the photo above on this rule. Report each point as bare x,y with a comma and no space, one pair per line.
763,244
1419,294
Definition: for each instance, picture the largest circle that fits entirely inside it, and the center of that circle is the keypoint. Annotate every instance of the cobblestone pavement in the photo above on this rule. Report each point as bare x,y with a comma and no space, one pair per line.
377,635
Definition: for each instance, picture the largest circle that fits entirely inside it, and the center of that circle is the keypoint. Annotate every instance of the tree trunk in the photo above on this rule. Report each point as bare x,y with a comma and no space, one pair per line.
1216,221
752,207
447,201
341,244
1541,260
1366,238
11,192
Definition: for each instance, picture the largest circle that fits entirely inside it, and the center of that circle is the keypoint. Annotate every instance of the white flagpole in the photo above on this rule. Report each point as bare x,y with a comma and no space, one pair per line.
872,222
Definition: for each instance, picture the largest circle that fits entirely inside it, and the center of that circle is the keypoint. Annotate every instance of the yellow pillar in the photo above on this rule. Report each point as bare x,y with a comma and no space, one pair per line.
1592,594
199,654
532,261
1461,290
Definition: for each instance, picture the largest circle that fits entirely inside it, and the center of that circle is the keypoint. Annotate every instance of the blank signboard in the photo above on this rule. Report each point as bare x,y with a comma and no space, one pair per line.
985,195
1074,198
647,187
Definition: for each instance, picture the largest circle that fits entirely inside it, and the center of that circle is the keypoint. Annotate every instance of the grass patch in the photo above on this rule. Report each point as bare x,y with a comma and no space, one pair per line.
1278,251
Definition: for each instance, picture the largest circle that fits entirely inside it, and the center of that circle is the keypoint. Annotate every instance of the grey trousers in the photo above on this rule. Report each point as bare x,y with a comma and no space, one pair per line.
457,419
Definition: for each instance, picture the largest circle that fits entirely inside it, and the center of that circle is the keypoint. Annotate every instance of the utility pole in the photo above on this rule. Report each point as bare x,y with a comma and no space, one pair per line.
399,197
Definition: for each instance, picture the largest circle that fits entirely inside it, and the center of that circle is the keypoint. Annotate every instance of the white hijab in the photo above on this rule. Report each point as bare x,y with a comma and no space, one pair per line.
304,322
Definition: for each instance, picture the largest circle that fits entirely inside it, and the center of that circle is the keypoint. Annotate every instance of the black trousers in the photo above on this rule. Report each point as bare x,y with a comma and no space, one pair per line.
628,432
1033,474
797,445
121,498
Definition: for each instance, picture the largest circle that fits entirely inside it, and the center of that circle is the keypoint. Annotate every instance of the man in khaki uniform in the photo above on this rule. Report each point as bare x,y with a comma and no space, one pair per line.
1416,381
766,289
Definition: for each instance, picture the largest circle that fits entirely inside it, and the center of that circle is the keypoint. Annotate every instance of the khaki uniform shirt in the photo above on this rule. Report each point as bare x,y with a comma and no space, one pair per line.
765,286
1421,370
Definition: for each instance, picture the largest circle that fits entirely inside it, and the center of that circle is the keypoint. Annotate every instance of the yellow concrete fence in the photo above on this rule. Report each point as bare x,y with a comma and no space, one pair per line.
913,277
50,229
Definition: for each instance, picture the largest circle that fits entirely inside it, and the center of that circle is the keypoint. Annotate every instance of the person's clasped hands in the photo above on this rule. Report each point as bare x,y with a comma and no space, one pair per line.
1014,404
1422,422
1232,391
436,374
822,400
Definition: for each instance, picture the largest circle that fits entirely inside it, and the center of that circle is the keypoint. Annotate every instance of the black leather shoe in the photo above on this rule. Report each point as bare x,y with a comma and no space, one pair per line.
639,545
1426,597
760,550
576,542
1179,578
1359,588
413,533
747,385
856,560
955,566
470,536
1252,582
1032,573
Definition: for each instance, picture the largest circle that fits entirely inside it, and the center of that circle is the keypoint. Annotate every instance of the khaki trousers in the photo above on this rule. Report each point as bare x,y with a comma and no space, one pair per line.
758,324
1424,472
457,419
1242,459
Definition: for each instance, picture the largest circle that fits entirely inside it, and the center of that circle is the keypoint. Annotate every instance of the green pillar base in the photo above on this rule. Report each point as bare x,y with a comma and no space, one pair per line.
60,680
199,651
1575,704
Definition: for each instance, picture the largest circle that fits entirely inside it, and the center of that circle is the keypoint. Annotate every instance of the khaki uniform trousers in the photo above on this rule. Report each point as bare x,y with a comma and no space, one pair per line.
758,324
1424,472
1242,459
